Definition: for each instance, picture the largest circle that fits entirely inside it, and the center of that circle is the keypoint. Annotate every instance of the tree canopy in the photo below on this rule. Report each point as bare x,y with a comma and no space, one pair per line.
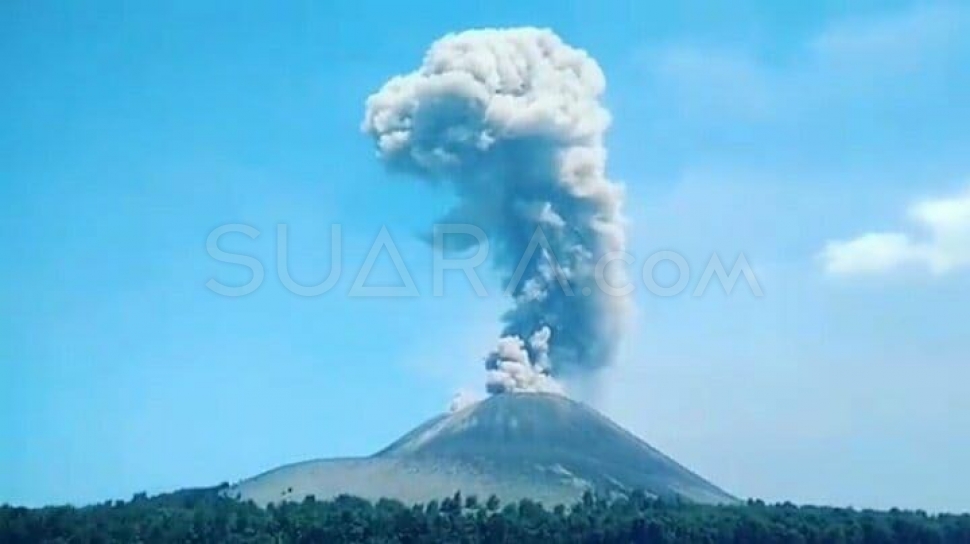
205,515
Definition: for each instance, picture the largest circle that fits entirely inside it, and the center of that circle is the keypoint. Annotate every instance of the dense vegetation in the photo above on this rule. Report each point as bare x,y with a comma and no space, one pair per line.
205,516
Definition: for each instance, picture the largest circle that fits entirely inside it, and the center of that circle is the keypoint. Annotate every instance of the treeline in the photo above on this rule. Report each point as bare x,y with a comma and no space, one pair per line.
206,516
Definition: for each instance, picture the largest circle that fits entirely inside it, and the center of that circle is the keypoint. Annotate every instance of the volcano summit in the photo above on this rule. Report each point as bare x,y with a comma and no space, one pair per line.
515,445
512,122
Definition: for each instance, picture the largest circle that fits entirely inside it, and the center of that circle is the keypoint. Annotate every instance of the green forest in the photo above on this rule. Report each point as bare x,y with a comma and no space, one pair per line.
204,515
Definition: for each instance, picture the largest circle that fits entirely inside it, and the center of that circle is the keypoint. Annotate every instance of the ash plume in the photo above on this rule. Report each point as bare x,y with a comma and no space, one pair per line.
511,121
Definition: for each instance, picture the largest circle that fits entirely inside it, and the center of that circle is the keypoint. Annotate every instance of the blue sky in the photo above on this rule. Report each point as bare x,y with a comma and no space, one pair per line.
129,133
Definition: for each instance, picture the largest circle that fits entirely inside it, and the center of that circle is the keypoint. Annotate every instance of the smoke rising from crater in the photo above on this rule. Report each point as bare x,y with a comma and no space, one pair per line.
511,121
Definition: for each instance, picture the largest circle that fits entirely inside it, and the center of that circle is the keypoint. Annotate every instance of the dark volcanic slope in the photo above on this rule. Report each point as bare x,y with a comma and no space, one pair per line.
539,446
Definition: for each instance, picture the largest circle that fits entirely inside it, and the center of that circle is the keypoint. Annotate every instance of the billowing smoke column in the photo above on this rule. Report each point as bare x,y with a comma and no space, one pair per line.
511,119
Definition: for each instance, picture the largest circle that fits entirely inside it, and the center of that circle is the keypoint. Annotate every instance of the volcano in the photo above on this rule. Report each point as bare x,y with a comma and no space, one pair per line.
515,445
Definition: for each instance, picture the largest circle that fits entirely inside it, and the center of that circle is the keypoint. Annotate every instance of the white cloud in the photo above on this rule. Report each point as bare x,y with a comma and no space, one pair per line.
940,243
885,382
890,60
897,41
